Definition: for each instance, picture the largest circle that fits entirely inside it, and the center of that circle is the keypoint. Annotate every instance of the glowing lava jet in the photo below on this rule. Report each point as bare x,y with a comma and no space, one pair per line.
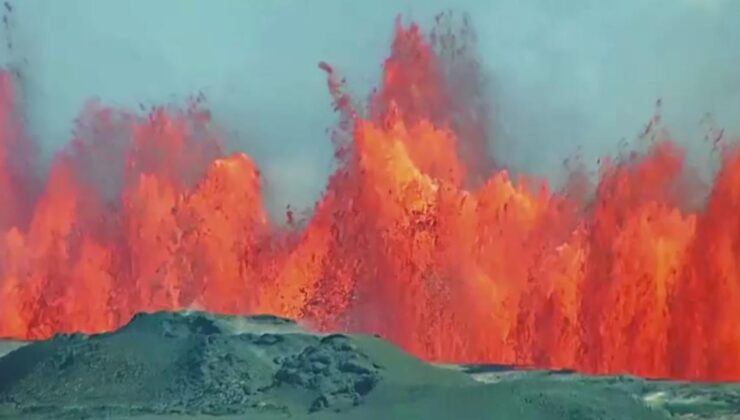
416,237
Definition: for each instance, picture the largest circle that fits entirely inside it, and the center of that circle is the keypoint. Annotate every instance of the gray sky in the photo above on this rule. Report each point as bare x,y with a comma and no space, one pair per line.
578,74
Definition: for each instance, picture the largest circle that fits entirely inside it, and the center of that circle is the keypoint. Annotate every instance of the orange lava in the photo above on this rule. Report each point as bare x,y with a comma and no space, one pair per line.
417,237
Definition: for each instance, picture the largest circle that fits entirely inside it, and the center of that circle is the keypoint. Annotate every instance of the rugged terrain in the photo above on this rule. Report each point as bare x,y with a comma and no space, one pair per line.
199,365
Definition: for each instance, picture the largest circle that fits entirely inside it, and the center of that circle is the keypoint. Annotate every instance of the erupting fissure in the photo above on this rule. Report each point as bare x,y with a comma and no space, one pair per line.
417,237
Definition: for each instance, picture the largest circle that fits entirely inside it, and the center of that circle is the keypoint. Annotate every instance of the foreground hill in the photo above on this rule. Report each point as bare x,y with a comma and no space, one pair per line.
199,365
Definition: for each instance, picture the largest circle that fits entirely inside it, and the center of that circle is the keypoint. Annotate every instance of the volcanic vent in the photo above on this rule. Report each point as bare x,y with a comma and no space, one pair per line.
417,237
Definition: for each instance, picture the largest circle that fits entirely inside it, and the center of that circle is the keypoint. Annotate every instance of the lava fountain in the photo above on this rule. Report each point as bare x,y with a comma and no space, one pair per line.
417,237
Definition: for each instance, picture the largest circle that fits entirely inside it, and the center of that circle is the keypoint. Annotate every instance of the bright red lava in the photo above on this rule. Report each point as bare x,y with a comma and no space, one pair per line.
416,236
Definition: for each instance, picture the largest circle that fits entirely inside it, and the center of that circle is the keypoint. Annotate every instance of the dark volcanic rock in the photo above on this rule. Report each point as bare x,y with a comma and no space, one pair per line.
195,364
334,369
160,363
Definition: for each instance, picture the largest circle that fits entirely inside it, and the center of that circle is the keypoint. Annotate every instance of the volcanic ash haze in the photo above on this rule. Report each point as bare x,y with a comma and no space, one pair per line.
417,237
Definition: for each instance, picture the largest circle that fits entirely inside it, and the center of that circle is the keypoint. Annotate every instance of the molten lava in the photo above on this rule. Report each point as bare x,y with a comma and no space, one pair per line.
416,237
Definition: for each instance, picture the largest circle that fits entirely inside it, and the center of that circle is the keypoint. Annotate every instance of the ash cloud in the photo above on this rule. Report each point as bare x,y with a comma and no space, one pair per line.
579,77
